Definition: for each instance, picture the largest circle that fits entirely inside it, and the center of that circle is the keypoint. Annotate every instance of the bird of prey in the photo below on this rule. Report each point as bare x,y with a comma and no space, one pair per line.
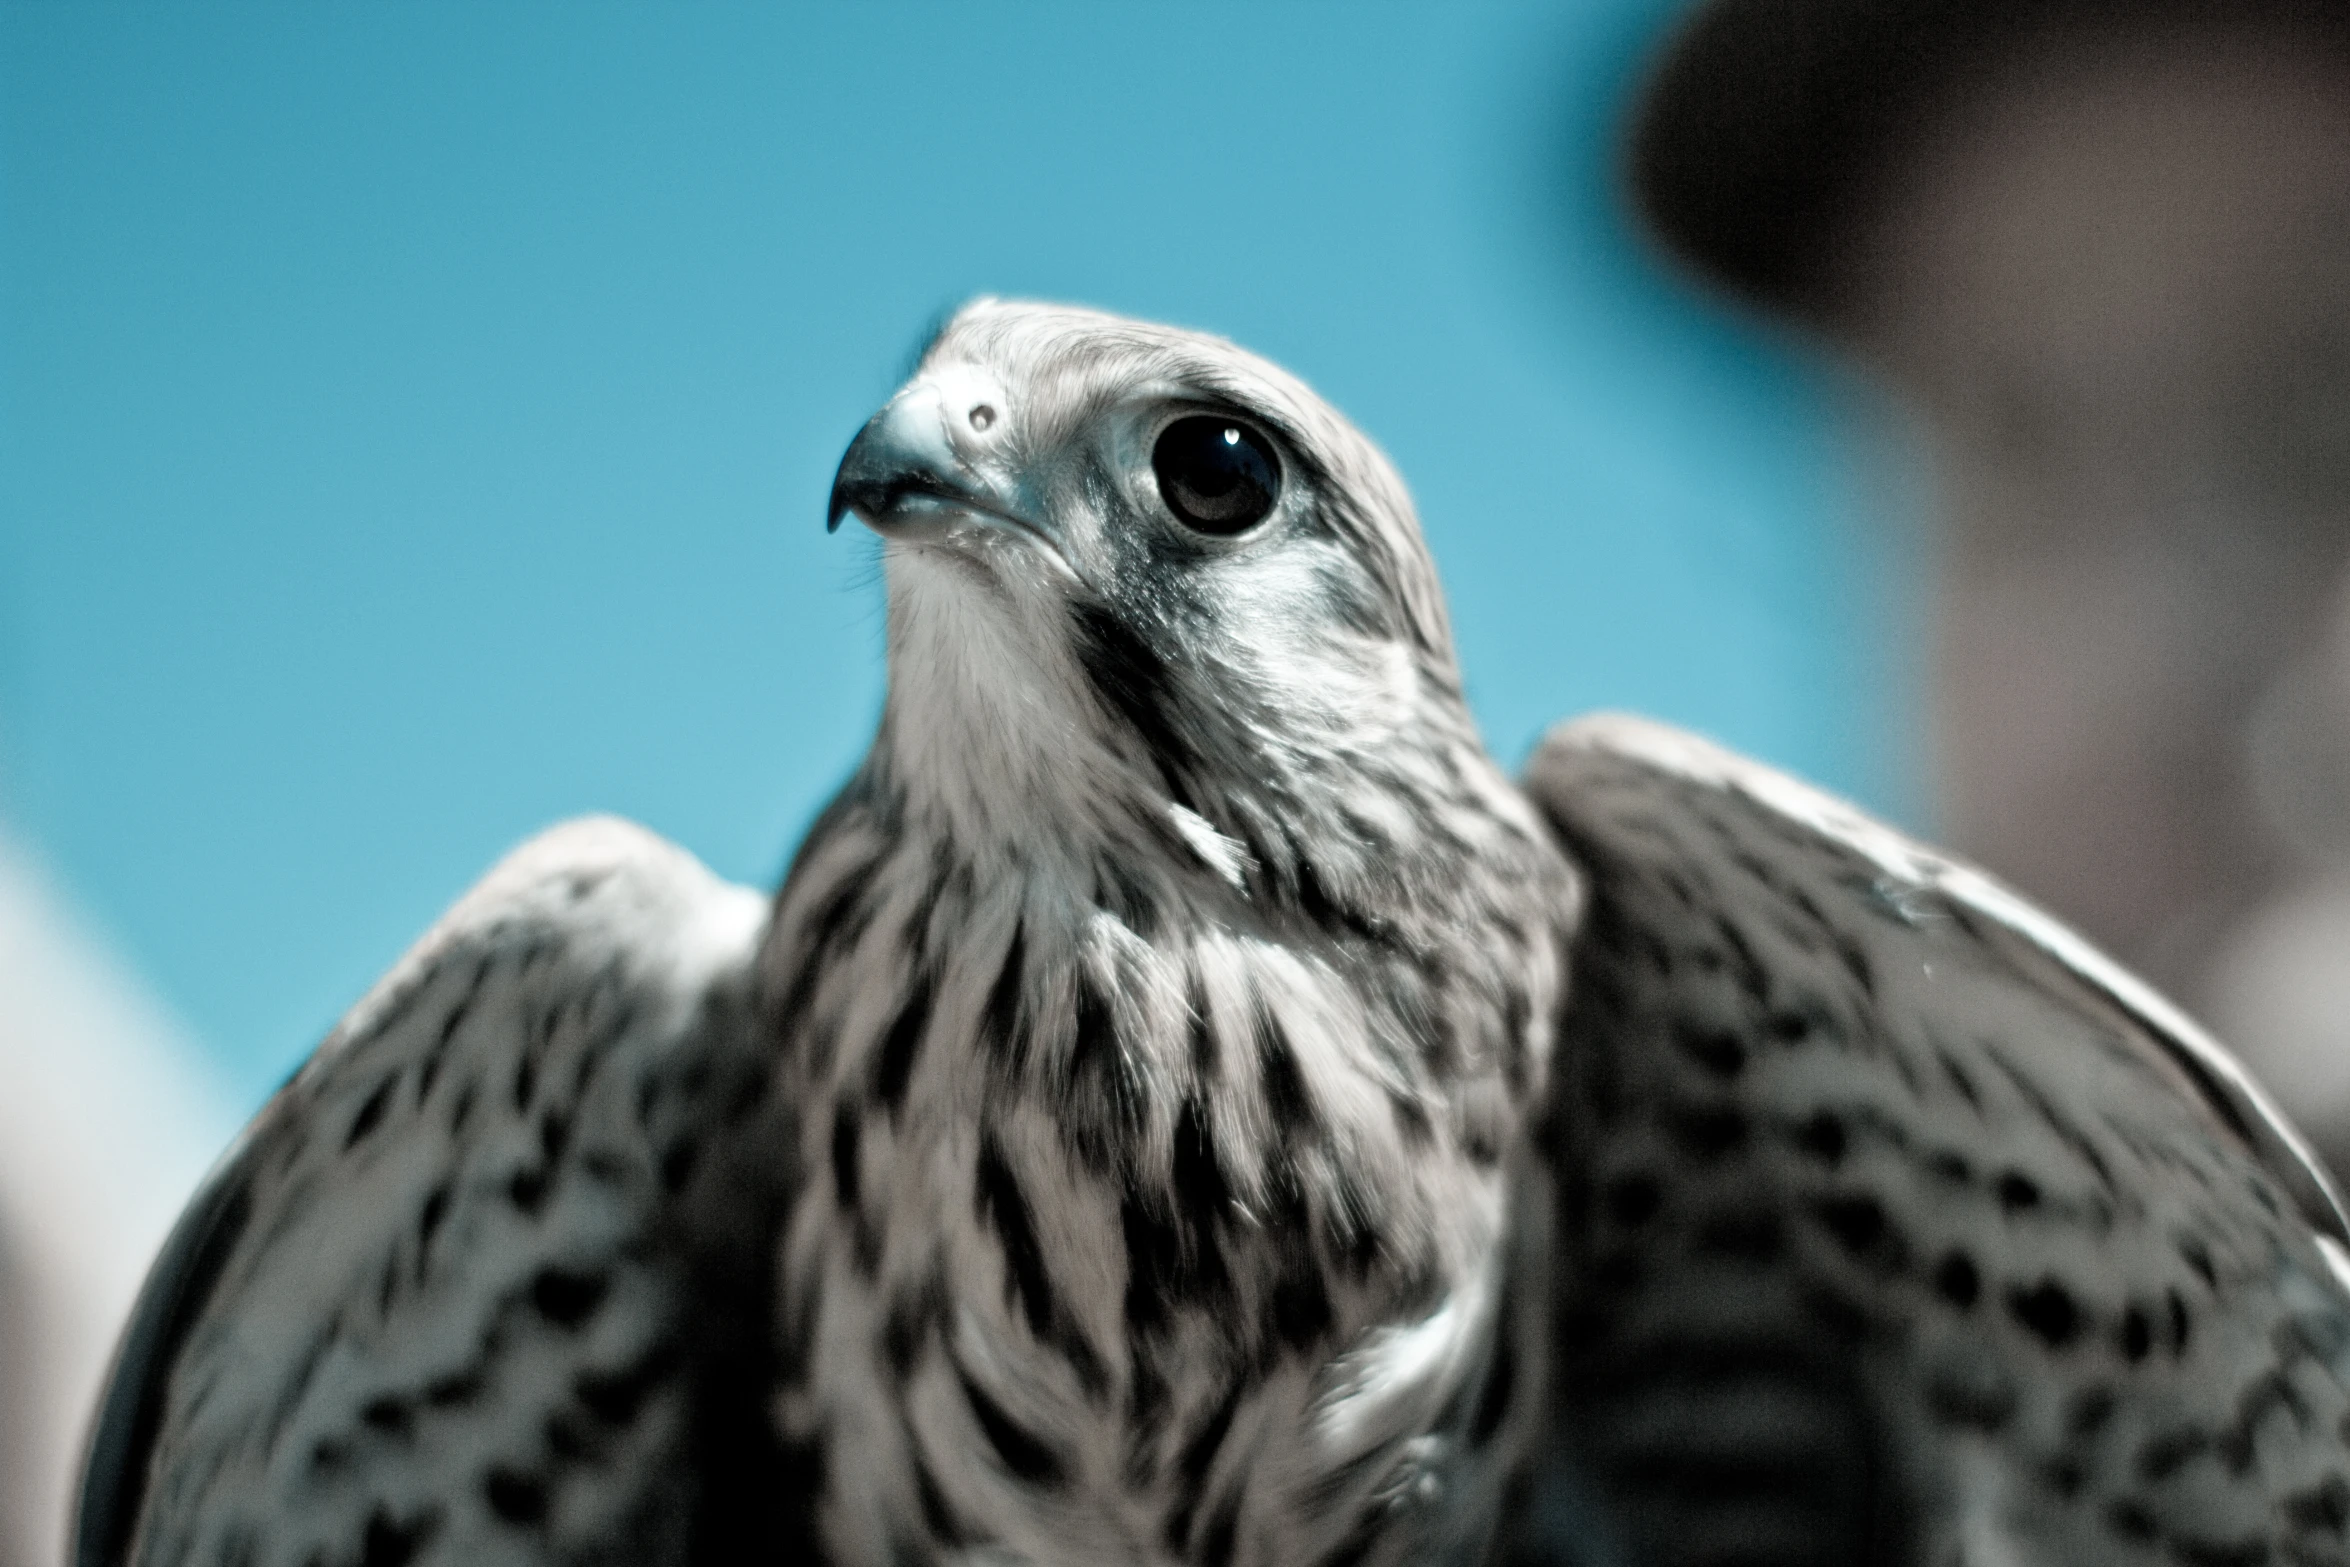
1187,1104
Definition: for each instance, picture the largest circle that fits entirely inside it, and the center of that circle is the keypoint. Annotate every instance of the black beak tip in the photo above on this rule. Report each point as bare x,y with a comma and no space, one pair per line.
854,493
853,480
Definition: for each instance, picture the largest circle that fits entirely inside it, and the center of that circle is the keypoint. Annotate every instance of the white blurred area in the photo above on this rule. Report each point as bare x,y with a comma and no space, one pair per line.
107,1122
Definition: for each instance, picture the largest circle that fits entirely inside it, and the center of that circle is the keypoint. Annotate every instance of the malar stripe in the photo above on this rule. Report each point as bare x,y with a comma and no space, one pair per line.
1135,683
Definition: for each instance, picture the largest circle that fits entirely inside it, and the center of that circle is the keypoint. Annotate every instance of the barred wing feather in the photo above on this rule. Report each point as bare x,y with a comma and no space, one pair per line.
1895,1222
433,1304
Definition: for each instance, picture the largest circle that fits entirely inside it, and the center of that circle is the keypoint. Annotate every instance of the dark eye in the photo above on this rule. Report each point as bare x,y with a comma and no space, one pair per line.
1216,474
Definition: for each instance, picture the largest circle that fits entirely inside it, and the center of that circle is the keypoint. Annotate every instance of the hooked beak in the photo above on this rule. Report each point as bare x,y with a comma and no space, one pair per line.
903,478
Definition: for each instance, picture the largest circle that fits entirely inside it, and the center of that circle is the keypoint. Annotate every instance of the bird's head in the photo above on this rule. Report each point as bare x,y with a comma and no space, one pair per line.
1133,569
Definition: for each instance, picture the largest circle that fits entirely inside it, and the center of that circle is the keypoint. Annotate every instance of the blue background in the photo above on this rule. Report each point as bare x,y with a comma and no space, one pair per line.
415,422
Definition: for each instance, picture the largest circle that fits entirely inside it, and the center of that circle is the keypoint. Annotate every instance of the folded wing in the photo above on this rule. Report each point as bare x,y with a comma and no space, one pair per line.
434,1305
1896,1223
1597,766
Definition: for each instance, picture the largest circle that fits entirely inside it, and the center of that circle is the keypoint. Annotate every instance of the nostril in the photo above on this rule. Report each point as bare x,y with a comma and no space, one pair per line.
982,415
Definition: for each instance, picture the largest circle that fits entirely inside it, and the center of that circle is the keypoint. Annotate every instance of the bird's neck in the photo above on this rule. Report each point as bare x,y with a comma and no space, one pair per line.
1127,959
1120,1141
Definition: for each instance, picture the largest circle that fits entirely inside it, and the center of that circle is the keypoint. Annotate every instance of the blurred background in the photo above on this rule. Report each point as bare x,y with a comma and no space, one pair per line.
415,426
2096,256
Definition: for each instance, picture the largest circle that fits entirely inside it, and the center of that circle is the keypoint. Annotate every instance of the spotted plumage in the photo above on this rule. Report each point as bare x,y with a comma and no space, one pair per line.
1186,1105
1900,1228
1171,1070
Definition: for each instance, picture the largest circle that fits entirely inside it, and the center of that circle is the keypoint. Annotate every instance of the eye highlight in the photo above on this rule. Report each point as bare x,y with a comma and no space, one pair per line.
1216,474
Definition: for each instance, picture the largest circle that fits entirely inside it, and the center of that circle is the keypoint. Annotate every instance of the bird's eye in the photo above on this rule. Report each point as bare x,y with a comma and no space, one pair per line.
1216,474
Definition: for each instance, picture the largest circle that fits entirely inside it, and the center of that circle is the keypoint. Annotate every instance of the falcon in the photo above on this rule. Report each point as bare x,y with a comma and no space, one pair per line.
1186,1104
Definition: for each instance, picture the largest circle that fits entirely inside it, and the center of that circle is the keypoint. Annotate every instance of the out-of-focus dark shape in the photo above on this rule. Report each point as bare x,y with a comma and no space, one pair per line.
2104,251
1774,132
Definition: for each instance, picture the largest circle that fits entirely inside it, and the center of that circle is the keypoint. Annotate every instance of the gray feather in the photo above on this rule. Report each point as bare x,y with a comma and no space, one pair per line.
1896,1227
433,1306
1186,1104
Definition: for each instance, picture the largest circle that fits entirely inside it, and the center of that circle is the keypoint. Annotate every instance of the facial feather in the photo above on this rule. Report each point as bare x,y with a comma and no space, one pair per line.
1129,659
